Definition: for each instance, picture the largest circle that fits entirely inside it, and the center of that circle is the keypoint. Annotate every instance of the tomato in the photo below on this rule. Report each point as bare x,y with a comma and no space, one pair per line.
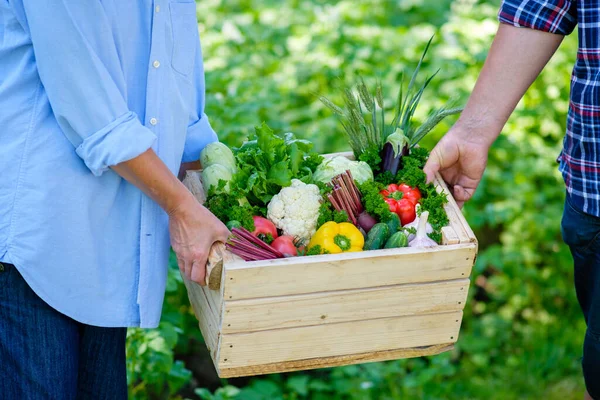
263,228
285,245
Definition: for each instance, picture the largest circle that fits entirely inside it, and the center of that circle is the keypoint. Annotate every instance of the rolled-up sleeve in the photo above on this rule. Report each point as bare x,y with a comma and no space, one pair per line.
199,132
198,136
555,16
81,72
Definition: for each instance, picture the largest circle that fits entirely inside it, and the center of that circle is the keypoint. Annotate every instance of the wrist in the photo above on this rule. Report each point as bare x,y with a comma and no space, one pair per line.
179,204
481,131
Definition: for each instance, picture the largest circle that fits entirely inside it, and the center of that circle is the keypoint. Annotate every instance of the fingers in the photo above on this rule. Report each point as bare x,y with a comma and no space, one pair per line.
184,266
198,273
223,235
461,195
193,266
432,166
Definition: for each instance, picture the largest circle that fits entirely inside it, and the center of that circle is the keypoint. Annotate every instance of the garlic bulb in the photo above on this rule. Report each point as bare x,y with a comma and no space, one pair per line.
415,224
421,239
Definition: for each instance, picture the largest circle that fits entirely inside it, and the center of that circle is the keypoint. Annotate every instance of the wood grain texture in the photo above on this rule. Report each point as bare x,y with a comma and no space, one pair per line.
341,306
458,221
282,345
214,265
193,182
246,280
326,362
449,236
209,319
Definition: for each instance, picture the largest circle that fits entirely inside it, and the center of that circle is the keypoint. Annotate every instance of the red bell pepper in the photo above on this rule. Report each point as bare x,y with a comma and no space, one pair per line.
413,194
402,200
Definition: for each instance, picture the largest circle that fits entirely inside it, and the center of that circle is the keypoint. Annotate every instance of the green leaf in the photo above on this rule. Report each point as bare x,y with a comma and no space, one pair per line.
204,394
280,174
296,158
299,384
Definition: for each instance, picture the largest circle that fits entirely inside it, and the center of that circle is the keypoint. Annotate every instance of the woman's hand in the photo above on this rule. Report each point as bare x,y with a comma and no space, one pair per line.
193,230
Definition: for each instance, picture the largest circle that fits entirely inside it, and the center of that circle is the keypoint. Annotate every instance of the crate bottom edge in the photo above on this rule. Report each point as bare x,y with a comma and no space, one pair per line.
334,361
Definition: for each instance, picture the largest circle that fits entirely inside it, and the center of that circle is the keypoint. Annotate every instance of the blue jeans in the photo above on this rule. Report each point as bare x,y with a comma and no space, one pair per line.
47,355
581,232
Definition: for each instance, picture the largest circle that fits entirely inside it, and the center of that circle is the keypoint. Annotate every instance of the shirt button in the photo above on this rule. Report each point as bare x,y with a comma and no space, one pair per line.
157,8
156,64
153,121
1,267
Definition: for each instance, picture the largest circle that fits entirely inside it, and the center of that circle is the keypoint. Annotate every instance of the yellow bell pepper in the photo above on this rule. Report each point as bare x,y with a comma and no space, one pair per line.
337,238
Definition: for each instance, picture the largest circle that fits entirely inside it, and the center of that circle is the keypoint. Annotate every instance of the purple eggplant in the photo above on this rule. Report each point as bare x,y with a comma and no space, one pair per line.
395,147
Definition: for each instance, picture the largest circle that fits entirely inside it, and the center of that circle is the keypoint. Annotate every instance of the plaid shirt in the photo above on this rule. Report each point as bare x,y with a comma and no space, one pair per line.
580,157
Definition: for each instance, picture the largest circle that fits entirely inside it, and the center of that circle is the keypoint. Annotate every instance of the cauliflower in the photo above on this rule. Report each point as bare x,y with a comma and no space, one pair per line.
295,209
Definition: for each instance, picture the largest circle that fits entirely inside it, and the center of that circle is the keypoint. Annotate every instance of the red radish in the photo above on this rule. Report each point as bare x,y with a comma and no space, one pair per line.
366,221
285,244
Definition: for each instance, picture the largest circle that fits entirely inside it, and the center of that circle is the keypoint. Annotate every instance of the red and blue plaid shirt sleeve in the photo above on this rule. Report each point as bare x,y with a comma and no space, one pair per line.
554,16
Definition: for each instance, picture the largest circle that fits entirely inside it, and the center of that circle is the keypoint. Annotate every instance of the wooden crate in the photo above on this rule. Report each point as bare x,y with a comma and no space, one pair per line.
321,311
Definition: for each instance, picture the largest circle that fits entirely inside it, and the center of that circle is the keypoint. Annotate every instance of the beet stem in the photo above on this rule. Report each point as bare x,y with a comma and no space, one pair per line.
244,233
244,245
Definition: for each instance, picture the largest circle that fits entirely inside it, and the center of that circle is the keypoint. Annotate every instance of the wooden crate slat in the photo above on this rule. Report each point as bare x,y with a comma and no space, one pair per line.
456,224
326,362
281,345
313,274
449,236
345,305
214,298
209,320
456,217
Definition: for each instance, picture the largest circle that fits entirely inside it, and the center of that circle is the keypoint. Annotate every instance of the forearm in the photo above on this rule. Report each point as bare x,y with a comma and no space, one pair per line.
516,58
152,176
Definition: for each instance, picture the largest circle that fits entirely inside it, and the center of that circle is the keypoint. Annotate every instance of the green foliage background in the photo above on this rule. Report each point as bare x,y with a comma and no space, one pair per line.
522,332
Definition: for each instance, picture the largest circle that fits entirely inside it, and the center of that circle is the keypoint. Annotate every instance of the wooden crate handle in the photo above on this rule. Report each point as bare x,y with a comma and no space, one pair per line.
218,253
214,265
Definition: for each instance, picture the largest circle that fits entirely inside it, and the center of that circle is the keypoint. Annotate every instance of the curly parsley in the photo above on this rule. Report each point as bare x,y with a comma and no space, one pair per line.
373,201
412,174
316,250
227,208
327,213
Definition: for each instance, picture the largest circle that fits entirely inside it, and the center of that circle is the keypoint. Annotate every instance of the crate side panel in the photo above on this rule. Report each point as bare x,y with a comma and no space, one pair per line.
281,345
344,305
347,271
209,319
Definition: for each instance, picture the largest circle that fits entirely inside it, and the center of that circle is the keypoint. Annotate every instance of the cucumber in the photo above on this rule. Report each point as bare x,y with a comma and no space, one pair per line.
398,239
394,223
377,237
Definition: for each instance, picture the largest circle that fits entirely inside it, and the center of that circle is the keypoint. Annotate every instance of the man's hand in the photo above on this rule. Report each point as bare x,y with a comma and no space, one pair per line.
515,59
460,162
193,231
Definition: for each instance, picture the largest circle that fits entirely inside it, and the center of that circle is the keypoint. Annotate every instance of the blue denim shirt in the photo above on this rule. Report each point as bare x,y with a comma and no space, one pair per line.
85,85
